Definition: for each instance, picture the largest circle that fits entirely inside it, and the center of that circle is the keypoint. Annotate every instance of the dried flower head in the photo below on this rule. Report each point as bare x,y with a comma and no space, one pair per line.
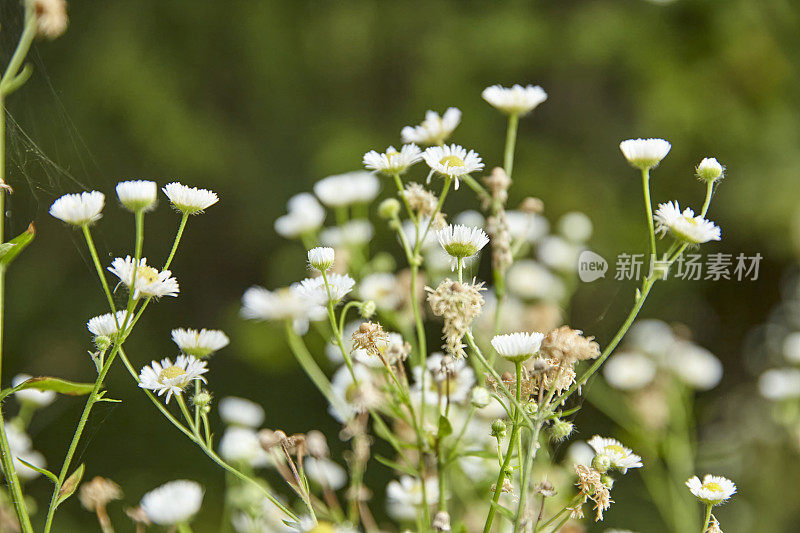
98,492
371,337
420,199
51,17
458,304
591,486
569,345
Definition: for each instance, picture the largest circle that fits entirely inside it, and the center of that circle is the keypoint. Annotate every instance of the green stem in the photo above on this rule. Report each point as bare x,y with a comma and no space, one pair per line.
177,240
511,141
708,518
399,183
649,208
98,267
512,443
184,528
709,194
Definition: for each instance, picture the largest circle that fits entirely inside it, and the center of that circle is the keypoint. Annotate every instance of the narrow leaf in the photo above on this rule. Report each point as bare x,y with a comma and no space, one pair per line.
445,427
70,485
43,471
396,466
48,383
11,249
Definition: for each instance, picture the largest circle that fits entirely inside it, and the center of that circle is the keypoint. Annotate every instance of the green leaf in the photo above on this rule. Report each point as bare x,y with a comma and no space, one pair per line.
445,427
62,386
509,514
11,249
70,485
396,466
43,471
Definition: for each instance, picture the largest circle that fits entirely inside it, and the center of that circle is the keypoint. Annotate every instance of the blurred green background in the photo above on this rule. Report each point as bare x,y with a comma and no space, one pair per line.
258,99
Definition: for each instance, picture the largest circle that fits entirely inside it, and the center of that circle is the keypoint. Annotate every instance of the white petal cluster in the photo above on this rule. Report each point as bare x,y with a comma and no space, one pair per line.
622,458
351,233
314,289
200,343
393,161
79,209
190,200
240,445
321,258
304,215
516,100
452,160
346,189
381,288
629,371
684,226
148,280
404,496
173,503
434,129
710,169
780,384
36,397
518,346
644,153
326,472
167,378
282,304
106,325
694,365
713,490
237,411
21,448
138,195
575,226
462,241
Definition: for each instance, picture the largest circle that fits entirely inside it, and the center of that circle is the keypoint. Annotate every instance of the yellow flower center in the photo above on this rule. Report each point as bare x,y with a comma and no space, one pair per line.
171,372
615,448
147,274
712,486
451,161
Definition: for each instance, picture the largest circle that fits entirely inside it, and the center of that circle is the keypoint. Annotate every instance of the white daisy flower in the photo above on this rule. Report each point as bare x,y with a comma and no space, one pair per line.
173,503
350,234
282,304
791,347
164,377
36,397
237,411
325,472
629,371
149,281
622,458
559,254
470,217
391,161
304,215
79,209
517,347
404,496
644,153
713,490
189,200
105,325
314,289
575,227
321,258
526,226
684,226
530,280
346,189
580,453
138,195
780,384
710,169
434,129
452,160
517,100
350,398
199,343
652,337
460,241
694,365
240,445
380,288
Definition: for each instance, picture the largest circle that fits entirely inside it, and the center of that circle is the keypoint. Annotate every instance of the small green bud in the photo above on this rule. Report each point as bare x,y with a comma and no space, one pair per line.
561,430
608,481
531,408
202,399
103,342
480,397
498,429
389,208
368,309
601,462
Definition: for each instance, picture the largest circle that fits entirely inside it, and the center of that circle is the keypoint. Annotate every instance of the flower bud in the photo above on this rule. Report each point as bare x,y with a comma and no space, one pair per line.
561,430
389,208
202,399
498,429
103,342
321,258
709,169
601,462
480,397
608,481
368,309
